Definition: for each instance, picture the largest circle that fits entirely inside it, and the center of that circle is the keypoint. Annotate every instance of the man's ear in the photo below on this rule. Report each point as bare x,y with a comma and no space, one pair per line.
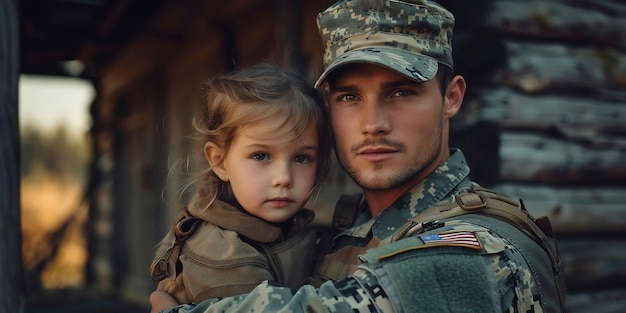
215,156
454,96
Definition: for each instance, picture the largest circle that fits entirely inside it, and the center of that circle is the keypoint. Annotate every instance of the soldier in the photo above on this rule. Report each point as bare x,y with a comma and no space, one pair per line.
424,237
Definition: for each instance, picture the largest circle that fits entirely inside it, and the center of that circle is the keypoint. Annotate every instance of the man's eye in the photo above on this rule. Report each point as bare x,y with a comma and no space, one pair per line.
302,159
261,156
347,97
402,93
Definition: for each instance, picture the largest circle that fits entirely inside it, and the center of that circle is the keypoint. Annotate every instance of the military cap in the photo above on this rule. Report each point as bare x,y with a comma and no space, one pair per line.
411,37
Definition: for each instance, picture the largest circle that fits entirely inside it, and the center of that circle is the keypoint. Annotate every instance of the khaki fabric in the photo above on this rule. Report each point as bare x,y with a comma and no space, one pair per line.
230,252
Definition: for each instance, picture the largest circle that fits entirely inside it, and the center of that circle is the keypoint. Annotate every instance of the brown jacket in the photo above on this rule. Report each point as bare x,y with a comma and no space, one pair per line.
231,252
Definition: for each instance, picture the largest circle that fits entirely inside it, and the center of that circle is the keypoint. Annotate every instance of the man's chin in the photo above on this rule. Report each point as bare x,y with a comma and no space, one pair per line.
373,182
371,177
381,180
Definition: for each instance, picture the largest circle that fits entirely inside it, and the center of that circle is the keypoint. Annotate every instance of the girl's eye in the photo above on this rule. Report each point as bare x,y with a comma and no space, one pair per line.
261,156
302,159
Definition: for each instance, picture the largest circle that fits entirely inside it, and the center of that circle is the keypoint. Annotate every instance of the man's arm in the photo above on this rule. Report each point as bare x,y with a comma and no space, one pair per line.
410,276
407,282
358,292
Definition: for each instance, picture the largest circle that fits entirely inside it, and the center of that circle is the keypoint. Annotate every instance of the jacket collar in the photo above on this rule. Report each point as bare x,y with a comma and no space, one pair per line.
228,217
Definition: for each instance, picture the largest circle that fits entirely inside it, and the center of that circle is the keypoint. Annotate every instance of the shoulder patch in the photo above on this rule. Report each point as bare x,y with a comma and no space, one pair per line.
466,239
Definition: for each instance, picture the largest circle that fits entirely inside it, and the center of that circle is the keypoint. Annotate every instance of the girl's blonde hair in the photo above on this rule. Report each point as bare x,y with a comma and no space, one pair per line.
260,93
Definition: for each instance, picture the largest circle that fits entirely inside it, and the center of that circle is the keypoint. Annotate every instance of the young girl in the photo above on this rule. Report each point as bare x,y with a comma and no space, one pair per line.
267,144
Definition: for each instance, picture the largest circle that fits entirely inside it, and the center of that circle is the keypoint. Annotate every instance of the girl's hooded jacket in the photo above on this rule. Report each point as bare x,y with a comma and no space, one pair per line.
229,252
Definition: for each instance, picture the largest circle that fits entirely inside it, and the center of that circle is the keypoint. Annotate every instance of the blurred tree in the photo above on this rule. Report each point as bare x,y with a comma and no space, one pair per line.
57,153
30,146
53,165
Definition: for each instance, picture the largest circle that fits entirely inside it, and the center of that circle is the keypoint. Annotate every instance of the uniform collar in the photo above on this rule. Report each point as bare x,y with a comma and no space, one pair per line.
450,178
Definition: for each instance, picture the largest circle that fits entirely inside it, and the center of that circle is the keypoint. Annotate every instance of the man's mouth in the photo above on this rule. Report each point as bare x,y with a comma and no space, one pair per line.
376,153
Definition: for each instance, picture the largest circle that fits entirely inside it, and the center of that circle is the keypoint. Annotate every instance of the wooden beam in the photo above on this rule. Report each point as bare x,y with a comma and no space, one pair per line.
11,284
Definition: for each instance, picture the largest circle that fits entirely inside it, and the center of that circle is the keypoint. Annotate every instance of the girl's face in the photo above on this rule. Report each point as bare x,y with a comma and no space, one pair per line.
272,172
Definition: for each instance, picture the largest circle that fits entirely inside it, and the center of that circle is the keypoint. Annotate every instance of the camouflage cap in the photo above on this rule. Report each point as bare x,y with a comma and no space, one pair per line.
410,37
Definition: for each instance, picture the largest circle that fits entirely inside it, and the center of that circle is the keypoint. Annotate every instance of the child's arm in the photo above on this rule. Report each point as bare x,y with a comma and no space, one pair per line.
161,300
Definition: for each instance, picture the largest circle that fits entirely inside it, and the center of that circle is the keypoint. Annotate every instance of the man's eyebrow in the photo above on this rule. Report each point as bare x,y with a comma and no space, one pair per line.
386,85
400,83
347,88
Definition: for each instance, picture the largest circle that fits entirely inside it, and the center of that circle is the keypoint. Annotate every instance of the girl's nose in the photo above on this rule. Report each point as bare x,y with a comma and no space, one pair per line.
282,177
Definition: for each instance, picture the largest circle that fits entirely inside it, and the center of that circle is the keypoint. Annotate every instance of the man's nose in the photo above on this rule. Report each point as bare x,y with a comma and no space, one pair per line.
374,118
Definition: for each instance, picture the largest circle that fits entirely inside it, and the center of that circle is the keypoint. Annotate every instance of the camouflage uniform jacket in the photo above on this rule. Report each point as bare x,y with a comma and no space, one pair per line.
478,271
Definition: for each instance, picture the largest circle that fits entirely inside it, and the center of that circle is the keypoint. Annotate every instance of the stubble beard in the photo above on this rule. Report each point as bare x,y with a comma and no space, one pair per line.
381,179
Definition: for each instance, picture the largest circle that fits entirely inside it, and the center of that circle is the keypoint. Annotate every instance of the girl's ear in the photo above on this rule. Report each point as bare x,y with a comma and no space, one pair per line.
215,156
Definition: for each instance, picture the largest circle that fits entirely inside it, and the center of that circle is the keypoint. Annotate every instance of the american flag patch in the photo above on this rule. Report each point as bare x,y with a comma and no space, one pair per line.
460,238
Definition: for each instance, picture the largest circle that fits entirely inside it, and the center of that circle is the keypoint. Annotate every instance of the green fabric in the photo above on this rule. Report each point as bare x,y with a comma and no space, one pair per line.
536,257
433,274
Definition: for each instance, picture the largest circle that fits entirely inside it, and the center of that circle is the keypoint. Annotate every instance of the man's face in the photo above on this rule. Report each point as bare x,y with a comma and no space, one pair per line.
389,131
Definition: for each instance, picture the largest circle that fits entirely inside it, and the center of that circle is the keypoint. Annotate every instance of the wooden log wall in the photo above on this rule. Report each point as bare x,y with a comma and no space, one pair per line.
550,84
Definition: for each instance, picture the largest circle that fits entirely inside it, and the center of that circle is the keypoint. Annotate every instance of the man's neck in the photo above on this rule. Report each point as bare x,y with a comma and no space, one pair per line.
380,200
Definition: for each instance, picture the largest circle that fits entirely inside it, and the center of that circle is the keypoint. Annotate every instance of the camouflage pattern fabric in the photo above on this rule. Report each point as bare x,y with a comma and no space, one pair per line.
411,37
449,179
518,291
377,285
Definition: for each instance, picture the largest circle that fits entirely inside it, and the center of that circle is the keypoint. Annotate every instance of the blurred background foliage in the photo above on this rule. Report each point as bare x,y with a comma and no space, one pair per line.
57,153
53,170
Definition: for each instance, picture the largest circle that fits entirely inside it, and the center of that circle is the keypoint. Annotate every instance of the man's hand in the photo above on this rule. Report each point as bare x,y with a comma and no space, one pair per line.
161,300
